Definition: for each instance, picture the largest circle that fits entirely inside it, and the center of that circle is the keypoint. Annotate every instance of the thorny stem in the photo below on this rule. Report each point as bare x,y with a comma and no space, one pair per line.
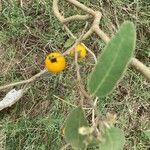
80,84
75,17
69,32
95,28
33,78
82,6
135,63
69,19
65,147
93,112
139,66
42,72
79,80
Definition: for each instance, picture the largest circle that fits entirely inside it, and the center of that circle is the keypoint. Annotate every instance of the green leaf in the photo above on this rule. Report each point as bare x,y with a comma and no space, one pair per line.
75,120
114,139
113,61
69,42
147,133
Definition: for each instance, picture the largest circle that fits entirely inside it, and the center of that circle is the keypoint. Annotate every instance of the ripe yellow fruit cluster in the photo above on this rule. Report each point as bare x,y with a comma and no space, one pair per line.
55,62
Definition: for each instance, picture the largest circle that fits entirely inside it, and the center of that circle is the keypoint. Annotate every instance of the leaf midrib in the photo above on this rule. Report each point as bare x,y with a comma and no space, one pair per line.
109,70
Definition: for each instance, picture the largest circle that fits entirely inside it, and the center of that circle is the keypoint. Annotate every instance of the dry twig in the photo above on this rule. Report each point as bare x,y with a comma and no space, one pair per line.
96,15
95,28
24,81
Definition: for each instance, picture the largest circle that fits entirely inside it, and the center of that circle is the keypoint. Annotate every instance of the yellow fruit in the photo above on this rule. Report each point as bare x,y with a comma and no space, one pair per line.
55,62
81,51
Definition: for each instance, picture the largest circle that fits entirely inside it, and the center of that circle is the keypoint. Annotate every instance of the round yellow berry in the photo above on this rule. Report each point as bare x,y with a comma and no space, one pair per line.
55,62
80,48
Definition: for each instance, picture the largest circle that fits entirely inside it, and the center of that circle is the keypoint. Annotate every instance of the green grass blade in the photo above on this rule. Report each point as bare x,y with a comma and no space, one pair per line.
114,139
69,42
75,120
113,61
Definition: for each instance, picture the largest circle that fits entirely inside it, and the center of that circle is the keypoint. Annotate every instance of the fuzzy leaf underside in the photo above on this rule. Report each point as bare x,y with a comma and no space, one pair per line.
114,139
113,61
75,120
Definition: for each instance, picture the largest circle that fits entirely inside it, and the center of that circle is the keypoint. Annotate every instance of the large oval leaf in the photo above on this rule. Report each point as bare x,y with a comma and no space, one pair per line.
75,120
113,61
114,139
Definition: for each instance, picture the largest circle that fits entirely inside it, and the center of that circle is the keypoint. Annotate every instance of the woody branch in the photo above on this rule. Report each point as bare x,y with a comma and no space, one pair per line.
96,15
